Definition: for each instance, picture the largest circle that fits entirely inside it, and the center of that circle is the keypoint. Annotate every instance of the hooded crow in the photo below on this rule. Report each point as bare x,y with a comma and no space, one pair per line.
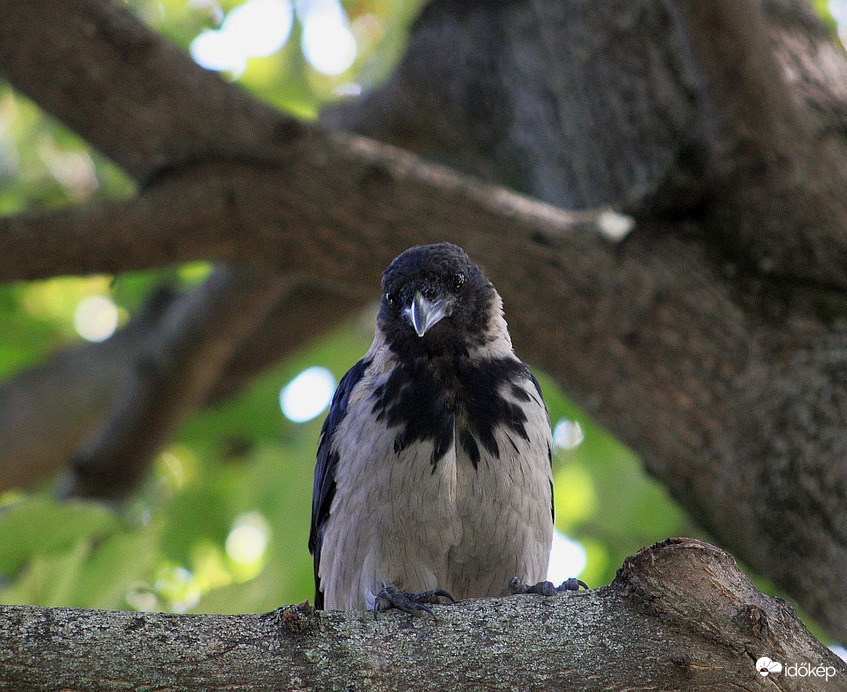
433,477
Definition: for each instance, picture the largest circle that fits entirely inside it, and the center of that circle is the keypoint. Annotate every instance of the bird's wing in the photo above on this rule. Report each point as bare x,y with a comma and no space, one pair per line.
324,489
537,386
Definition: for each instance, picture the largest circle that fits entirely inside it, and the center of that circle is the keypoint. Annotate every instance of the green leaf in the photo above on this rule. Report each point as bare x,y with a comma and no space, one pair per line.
38,526
117,564
48,580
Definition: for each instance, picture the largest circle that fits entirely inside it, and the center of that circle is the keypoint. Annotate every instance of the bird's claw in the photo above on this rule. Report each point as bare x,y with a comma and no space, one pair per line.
572,584
545,588
390,596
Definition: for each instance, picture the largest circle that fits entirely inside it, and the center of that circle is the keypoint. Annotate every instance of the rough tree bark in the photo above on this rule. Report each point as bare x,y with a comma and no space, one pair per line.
711,340
679,615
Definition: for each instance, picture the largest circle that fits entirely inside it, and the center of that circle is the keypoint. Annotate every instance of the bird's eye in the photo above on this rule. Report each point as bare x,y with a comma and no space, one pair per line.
389,298
458,281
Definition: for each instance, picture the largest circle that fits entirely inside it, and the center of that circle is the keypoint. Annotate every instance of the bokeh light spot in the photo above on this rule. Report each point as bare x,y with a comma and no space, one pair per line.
328,45
259,28
214,51
176,467
248,540
568,434
96,318
255,29
328,42
307,395
177,587
567,558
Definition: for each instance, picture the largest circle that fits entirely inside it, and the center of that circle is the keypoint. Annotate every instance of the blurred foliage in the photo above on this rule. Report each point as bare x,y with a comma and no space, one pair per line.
222,523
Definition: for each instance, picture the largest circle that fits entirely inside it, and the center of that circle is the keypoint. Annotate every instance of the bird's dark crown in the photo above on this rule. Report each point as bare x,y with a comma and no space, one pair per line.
441,272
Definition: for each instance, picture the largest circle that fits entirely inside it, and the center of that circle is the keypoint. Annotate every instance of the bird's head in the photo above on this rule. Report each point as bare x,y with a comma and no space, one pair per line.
435,298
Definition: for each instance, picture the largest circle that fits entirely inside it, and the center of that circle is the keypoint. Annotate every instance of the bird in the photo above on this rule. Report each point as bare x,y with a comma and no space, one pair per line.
433,479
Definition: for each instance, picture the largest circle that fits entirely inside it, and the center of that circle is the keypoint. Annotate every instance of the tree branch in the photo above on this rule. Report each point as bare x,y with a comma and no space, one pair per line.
78,382
174,373
293,216
701,625
766,162
95,67
724,371
84,381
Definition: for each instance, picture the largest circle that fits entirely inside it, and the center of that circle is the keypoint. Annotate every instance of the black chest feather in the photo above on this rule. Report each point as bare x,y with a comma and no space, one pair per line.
426,401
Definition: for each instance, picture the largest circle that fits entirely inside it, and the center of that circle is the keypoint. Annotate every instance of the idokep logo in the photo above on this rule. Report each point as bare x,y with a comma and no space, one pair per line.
767,666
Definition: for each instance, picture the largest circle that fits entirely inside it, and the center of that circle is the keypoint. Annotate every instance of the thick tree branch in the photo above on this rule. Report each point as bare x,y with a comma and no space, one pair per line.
701,625
92,65
715,357
174,373
83,382
764,159
293,216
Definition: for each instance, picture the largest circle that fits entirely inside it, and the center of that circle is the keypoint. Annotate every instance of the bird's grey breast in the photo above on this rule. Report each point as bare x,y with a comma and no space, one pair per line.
485,432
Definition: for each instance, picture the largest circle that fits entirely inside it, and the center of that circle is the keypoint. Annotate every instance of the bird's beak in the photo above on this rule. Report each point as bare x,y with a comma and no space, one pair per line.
423,314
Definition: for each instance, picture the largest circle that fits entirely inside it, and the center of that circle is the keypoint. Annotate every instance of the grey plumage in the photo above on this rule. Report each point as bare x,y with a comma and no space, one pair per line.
434,461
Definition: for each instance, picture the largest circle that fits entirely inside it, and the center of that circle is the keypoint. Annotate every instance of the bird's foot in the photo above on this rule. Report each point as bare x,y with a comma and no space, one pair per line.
546,588
572,584
390,596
